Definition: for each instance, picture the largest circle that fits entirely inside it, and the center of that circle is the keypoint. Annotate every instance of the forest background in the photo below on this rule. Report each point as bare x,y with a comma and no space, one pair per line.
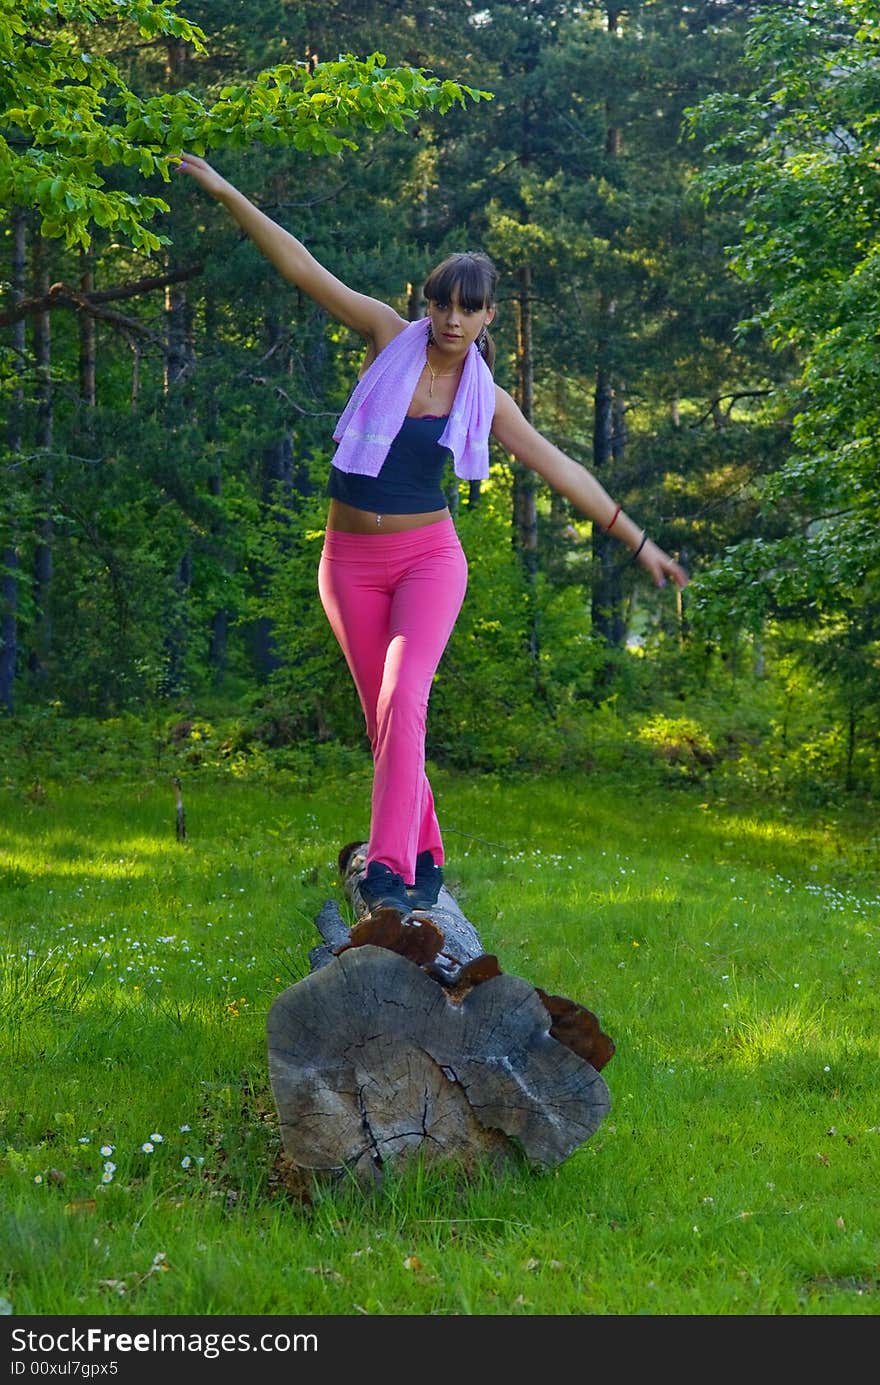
682,202
660,803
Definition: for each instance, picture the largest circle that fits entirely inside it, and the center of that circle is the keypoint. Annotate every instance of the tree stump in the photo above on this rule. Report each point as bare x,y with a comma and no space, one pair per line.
407,1038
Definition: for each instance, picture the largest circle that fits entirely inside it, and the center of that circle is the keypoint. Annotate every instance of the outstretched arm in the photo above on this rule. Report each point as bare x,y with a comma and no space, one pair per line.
577,484
370,317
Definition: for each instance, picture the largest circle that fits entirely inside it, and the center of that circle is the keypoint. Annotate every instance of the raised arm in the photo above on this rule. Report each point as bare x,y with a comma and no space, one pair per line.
374,320
577,484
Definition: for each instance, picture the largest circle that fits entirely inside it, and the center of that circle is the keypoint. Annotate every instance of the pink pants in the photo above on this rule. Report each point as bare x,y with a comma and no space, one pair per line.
392,601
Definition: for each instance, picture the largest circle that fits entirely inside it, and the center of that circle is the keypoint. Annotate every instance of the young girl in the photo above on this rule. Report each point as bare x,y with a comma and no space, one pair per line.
392,574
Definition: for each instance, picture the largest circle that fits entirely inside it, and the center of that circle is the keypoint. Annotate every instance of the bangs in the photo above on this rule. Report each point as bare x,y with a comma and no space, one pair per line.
464,274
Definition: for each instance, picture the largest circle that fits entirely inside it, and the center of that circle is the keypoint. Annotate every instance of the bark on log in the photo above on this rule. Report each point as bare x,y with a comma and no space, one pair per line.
407,1038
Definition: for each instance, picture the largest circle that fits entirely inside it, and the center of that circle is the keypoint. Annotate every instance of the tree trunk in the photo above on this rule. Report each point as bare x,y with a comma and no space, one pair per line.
852,724
218,637
218,634
176,61
407,1039
8,625
177,635
607,597
178,334
525,482
87,337
525,510
179,358
9,547
41,641
277,491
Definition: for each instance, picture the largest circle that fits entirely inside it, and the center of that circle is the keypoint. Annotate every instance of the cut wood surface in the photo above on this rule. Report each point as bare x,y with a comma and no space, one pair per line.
406,1037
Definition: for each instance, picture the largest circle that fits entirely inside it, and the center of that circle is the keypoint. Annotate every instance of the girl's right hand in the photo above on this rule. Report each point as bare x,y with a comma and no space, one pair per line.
199,169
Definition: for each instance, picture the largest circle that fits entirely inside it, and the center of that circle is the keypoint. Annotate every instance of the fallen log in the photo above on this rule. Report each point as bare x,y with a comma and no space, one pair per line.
406,1037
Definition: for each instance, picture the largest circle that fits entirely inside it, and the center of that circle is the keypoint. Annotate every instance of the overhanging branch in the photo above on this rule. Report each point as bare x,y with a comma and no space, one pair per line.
62,295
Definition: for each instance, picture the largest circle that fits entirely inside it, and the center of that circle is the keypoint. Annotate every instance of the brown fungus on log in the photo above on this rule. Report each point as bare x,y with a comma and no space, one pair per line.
578,1028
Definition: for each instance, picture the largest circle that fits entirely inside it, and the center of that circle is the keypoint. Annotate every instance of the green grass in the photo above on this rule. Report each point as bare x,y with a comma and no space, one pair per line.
731,950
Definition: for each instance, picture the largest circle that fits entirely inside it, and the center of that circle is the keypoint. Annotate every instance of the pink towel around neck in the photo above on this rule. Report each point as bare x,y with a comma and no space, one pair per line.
374,414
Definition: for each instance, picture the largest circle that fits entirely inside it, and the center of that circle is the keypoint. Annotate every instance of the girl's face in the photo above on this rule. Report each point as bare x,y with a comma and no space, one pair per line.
454,327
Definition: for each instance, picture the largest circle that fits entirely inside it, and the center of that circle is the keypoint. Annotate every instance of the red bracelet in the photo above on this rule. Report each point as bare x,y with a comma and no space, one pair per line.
609,527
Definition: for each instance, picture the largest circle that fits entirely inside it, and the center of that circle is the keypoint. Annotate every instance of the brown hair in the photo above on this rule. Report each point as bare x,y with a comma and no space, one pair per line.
475,277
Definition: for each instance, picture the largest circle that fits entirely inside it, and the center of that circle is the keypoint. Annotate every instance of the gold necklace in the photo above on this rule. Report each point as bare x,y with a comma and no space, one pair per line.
437,375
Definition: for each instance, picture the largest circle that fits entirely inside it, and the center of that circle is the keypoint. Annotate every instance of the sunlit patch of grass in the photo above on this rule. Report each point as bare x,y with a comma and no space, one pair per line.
771,832
59,855
766,1037
31,985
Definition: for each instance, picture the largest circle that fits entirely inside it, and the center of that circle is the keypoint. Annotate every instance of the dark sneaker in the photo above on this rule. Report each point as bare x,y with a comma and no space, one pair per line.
381,885
424,892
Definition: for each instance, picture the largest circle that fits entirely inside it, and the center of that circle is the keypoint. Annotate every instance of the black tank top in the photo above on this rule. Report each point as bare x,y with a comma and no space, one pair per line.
410,481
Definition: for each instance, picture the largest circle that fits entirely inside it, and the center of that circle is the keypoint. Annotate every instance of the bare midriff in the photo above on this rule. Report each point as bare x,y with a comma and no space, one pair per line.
349,520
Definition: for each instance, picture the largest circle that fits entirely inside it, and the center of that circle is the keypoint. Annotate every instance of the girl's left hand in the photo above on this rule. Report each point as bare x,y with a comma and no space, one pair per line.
661,566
